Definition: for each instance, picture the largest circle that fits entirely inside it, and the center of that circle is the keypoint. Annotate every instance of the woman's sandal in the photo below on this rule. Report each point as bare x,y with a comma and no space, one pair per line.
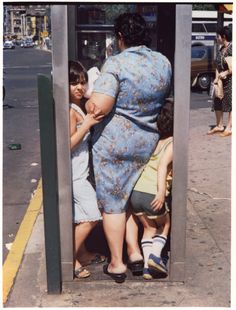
215,130
226,133
136,267
82,273
117,277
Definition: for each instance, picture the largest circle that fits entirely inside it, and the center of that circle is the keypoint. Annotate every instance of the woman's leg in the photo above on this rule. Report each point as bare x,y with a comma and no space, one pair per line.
219,123
114,228
219,119
229,124
131,237
82,231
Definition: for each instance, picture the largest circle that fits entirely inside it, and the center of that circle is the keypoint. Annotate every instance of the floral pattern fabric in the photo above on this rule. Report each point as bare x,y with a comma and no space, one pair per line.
139,79
221,65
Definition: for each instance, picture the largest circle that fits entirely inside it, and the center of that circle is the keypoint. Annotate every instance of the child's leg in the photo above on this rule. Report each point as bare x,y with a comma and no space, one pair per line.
159,240
150,230
81,231
131,237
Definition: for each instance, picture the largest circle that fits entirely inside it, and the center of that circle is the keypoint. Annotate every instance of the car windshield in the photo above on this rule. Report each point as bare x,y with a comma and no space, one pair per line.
198,53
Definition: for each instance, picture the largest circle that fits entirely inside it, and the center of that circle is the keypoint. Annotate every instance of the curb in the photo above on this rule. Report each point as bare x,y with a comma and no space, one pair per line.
15,255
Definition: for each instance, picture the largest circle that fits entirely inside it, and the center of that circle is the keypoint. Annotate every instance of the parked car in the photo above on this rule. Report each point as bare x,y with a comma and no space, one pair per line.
202,66
8,45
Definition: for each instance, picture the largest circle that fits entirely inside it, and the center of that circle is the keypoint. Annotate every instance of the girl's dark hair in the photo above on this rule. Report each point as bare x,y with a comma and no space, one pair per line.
133,29
77,73
165,120
225,32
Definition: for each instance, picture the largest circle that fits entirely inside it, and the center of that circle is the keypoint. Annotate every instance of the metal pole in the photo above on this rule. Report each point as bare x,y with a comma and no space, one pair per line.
49,176
182,66
61,98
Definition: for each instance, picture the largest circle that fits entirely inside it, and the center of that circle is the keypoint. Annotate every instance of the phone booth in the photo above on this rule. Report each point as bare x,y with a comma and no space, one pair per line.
84,32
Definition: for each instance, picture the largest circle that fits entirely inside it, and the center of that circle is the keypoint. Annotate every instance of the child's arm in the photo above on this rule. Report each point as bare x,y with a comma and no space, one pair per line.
167,158
77,134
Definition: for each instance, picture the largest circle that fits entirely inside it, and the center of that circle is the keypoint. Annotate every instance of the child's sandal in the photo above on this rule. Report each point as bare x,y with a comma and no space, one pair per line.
82,273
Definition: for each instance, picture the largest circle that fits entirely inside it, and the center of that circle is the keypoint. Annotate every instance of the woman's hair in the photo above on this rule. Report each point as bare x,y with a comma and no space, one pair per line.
165,120
133,29
226,33
77,73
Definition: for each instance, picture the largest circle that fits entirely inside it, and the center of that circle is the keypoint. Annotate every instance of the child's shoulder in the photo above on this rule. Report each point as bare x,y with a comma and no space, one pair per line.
163,143
76,115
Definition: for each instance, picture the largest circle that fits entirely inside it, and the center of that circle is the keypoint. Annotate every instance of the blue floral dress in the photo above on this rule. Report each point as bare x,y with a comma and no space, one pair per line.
139,80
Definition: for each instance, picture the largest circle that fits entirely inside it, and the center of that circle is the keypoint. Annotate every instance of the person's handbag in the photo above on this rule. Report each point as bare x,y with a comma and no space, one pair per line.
212,90
218,89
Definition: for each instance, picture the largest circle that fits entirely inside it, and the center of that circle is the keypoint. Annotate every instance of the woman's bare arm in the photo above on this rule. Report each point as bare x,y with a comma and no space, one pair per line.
100,104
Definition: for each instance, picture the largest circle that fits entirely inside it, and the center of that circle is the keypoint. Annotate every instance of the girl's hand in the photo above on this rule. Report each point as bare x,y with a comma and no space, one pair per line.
158,202
91,119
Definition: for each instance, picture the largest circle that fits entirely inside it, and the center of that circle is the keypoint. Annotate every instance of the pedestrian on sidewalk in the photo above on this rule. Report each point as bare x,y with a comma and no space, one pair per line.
224,73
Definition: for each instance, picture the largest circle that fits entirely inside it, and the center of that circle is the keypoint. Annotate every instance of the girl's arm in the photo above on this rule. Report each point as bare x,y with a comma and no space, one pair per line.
167,158
77,134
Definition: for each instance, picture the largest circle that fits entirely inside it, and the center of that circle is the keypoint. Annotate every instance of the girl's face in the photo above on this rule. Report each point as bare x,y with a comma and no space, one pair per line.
219,39
77,91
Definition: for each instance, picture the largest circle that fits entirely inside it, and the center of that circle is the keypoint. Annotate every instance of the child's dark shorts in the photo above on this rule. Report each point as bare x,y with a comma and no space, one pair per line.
141,205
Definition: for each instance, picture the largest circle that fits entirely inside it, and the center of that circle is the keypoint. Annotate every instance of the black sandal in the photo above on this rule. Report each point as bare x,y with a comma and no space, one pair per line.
136,267
117,277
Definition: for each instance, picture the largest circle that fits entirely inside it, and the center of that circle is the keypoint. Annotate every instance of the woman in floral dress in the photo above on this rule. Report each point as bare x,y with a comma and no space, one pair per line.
130,91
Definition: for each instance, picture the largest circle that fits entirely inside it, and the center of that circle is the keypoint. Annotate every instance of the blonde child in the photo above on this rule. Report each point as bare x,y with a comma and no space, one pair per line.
86,211
150,195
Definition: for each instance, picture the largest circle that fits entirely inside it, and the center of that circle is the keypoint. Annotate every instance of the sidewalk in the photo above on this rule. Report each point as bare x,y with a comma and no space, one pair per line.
207,246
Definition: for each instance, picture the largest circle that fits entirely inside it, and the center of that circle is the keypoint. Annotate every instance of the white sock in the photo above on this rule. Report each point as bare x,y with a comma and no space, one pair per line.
159,242
147,250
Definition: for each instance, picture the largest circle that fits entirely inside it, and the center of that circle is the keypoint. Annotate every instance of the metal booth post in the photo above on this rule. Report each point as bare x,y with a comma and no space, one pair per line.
182,63
64,42
61,98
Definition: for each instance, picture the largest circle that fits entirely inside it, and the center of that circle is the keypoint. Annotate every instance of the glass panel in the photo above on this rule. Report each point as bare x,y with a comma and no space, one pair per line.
99,14
198,28
211,27
95,35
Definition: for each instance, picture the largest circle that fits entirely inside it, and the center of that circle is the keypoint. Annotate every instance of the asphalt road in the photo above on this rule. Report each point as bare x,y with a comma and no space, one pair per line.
21,168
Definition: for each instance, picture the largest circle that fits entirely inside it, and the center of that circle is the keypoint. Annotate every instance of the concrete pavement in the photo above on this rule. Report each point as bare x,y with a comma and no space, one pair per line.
208,244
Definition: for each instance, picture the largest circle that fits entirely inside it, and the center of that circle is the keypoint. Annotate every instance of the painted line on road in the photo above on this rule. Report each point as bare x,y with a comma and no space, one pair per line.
14,257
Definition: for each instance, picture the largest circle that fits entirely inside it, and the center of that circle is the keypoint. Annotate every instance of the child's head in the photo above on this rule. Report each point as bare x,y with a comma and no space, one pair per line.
78,79
165,120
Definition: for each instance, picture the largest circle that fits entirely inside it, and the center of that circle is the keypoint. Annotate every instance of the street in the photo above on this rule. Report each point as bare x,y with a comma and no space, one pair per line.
21,168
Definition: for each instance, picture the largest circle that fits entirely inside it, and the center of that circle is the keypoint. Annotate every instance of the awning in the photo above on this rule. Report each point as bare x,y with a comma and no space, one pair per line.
225,8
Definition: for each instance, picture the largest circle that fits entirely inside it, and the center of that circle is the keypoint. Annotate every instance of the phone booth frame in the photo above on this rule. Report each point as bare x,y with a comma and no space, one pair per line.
64,48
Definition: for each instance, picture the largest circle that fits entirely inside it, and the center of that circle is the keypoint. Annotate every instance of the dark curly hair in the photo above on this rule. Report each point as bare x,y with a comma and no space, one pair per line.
225,32
133,29
165,120
77,73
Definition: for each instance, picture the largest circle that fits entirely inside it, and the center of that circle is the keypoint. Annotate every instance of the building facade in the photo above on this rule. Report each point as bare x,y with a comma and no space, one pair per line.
22,21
